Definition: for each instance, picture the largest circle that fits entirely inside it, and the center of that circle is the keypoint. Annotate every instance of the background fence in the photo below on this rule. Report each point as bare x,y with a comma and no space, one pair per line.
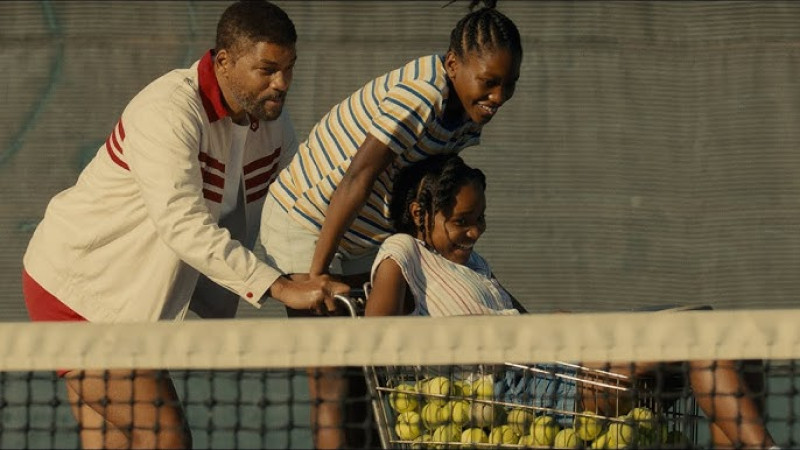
648,156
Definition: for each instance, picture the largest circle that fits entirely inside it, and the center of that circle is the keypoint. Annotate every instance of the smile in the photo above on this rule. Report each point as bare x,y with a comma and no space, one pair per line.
491,110
464,247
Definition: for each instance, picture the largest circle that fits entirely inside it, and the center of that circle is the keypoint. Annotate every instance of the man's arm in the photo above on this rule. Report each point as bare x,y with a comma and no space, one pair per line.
161,147
315,294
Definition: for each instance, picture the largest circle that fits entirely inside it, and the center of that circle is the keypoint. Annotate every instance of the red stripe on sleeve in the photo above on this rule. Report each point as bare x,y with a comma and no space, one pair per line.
116,144
114,156
121,130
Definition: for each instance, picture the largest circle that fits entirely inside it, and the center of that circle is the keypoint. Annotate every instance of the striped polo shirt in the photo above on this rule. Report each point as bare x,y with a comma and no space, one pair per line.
402,109
441,287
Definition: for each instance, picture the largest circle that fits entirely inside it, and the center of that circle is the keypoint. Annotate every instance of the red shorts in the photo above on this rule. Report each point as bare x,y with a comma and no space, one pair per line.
44,307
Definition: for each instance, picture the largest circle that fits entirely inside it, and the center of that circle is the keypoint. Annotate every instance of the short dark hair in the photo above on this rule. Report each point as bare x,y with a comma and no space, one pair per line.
485,29
433,183
254,21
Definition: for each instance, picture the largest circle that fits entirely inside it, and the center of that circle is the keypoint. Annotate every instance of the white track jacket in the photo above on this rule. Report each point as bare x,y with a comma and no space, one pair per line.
129,240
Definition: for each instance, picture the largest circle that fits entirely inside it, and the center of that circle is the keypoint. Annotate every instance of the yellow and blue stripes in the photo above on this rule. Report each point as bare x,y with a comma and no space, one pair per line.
403,109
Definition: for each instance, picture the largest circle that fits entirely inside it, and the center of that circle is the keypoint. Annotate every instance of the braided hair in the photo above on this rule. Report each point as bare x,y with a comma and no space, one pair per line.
249,21
433,183
485,28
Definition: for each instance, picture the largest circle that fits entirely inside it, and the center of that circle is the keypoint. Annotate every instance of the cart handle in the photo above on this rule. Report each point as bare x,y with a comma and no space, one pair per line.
355,301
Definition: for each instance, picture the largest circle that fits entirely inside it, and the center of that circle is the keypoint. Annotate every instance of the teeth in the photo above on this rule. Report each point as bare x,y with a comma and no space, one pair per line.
489,109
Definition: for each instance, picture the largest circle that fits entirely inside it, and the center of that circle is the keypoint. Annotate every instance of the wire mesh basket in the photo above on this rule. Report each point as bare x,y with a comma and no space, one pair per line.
510,405
515,405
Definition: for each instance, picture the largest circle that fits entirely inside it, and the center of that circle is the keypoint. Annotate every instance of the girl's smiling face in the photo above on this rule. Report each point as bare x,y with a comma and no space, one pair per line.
453,236
483,81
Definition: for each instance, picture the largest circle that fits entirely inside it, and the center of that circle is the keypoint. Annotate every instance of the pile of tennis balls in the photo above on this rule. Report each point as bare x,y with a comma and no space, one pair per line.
435,412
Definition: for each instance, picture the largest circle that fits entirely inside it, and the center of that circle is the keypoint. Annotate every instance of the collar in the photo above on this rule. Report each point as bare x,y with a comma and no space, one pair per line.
210,93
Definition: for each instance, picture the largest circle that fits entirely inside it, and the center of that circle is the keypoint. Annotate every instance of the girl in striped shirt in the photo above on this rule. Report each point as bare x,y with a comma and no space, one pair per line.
333,198
328,211
430,269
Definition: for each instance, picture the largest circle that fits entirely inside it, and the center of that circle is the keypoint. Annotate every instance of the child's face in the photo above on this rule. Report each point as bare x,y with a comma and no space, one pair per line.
483,81
453,237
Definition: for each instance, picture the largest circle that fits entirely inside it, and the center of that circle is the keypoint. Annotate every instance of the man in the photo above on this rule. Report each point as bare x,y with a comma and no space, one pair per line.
173,196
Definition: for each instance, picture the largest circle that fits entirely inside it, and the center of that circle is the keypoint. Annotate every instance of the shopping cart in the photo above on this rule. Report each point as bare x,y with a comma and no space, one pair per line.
515,405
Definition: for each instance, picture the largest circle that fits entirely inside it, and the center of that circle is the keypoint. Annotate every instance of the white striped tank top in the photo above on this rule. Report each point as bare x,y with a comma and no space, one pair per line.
441,287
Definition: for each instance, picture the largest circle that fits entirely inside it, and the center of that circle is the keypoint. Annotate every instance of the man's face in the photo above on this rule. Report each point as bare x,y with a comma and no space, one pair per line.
257,78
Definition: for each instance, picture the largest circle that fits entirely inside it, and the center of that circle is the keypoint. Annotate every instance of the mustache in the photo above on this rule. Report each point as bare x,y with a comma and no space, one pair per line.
273,98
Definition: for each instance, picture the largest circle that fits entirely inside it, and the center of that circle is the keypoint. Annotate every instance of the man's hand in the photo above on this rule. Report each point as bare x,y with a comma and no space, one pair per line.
315,294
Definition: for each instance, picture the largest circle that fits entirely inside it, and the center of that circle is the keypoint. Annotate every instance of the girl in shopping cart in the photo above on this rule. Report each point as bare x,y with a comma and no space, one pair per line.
430,268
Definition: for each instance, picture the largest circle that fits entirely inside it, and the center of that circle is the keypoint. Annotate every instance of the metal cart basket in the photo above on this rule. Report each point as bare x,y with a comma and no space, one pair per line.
515,405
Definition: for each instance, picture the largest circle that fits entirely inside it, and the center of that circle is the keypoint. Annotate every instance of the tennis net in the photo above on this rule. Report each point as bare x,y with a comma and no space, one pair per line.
243,383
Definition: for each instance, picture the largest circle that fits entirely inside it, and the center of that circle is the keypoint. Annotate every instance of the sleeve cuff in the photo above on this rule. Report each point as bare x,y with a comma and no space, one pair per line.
255,291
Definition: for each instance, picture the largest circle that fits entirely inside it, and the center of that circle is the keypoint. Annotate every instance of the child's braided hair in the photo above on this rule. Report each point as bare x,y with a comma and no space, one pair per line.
485,28
433,183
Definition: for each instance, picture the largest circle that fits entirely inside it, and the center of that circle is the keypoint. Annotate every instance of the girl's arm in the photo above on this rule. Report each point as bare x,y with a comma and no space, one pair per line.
388,292
371,159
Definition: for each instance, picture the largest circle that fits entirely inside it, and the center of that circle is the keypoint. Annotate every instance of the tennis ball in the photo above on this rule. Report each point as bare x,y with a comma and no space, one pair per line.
408,426
446,433
483,387
461,388
421,442
612,443
520,420
526,441
434,415
503,434
404,398
486,414
600,442
439,386
588,425
474,436
643,417
459,411
544,430
567,438
420,385
619,435
646,438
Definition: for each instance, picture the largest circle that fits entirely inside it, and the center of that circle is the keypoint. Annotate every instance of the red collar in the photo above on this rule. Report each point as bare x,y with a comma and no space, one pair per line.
210,93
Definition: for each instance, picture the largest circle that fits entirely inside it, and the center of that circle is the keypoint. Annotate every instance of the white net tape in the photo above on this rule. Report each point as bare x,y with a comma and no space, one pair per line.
280,343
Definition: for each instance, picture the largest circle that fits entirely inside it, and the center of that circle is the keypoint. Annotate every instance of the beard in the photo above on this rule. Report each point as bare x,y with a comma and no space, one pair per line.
258,107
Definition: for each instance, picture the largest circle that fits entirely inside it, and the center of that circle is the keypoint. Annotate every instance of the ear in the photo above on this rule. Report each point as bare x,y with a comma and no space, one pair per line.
222,59
416,213
451,64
